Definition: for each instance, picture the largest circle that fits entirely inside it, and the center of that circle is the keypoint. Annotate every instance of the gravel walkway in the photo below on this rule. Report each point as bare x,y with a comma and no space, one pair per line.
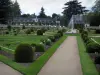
65,60
6,70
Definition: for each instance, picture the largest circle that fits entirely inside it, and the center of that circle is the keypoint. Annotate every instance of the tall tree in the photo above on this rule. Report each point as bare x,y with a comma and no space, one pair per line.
5,9
72,8
96,7
54,15
16,9
42,13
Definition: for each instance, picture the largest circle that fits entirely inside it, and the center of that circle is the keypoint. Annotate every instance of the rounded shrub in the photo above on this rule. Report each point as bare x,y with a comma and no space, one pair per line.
93,47
33,44
39,32
97,60
40,48
52,38
57,36
48,42
97,31
24,53
60,32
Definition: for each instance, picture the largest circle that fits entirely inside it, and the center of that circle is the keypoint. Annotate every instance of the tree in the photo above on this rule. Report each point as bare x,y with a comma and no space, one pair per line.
25,15
9,27
42,14
5,10
96,7
72,8
16,9
54,15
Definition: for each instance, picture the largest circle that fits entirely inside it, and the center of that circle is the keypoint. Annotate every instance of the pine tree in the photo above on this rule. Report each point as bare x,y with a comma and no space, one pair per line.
5,9
42,14
16,12
96,7
72,8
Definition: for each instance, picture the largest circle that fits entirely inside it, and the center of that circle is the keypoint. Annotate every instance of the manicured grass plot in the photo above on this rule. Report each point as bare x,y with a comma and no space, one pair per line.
11,41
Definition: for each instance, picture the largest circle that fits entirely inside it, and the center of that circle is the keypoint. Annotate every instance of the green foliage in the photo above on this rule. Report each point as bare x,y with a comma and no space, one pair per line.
97,60
5,10
48,42
28,32
33,45
24,53
40,48
23,27
88,67
97,31
31,29
52,38
39,32
94,19
60,32
73,8
42,13
9,27
93,47
0,48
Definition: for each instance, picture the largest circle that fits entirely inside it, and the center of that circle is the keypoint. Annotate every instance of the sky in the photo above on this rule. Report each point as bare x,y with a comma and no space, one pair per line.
50,6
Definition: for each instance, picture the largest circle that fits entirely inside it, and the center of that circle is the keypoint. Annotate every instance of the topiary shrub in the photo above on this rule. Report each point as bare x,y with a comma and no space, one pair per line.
39,48
93,47
52,38
39,32
28,32
97,60
24,53
33,44
60,32
43,41
48,42
57,36
0,48
97,31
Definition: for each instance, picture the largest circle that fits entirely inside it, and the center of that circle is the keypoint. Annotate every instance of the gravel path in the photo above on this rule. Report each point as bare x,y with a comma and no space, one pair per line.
65,60
6,70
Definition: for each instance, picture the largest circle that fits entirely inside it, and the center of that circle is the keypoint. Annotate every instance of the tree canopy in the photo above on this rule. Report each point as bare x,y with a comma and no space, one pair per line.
42,13
72,8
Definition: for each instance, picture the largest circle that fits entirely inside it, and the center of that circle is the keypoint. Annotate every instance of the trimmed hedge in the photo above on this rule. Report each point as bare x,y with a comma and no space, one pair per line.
39,32
93,47
24,53
39,48
97,60
48,42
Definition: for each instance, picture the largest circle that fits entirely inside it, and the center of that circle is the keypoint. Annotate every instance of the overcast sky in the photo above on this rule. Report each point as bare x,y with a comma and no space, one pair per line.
51,6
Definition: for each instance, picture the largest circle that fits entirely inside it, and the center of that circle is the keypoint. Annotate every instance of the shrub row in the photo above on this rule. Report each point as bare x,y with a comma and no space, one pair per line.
91,47
41,31
25,52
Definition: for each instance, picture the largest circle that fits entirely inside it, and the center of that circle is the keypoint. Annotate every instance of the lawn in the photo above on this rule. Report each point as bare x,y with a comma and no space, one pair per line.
96,39
10,42
88,66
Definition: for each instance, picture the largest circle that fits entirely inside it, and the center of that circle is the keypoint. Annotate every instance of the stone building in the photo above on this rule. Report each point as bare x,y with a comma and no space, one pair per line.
33,21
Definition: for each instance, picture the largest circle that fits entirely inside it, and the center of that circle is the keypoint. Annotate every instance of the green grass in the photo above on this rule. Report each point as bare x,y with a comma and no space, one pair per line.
38,64
14,41
96,39
88,66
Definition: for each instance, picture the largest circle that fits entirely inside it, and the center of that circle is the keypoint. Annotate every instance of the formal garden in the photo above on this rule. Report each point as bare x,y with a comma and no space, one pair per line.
27,49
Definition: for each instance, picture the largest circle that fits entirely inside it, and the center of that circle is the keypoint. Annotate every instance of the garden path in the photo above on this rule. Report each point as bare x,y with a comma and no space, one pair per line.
6,70
65,61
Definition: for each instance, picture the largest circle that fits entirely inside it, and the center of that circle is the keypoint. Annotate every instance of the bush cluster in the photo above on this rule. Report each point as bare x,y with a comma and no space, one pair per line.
24,53
97,31
39,48
93,47
39,32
